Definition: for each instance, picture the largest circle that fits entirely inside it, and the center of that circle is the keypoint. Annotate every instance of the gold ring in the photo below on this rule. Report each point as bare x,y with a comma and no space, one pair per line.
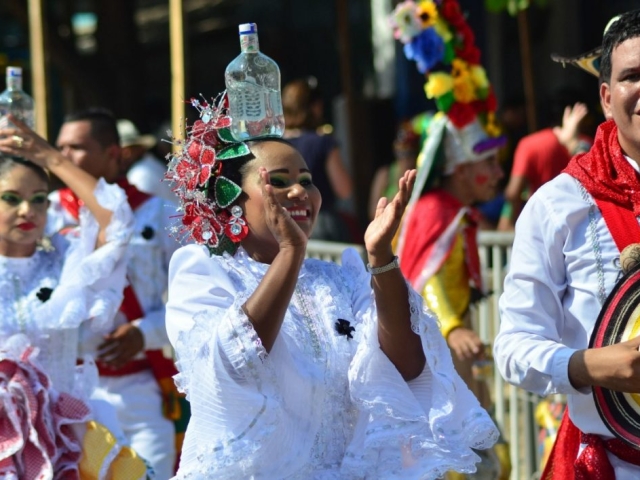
17,140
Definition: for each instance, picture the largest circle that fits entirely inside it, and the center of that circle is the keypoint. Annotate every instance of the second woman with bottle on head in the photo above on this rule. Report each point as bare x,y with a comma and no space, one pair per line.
48,288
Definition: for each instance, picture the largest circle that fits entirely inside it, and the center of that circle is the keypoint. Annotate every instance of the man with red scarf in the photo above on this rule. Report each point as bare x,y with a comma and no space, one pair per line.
135,376
564,263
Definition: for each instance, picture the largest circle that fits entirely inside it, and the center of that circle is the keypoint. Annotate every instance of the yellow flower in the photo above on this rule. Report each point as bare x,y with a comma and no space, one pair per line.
492,128
463,89
442,28
438,84
459,68
479,76
427,12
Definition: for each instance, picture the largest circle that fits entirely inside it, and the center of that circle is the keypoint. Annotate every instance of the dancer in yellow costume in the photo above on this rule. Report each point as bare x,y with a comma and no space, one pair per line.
457,167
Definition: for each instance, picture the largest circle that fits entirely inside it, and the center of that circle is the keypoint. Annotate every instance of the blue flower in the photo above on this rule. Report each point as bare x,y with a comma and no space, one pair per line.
427,49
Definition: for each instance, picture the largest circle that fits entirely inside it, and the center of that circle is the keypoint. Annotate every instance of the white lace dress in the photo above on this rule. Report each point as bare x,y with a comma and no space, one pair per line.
43,300
320,405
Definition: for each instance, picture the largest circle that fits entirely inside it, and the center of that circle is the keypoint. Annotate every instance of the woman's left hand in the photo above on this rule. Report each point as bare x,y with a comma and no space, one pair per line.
381,230
21,141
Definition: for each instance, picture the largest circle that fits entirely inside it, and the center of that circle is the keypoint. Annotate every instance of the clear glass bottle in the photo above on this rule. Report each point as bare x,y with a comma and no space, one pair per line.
253,88
14,100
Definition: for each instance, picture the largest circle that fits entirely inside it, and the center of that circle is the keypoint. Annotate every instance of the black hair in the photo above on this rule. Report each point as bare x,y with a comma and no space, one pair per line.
104,127
626,27
8,162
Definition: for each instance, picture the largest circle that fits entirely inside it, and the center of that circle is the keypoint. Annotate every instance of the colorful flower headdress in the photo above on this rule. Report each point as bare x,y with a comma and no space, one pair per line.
436,35
205,195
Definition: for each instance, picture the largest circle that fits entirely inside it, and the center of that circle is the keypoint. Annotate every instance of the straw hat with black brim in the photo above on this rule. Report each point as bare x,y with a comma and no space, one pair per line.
589,61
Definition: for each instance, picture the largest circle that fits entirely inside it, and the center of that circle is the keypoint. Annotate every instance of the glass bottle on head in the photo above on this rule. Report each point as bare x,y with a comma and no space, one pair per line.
15,101
253,87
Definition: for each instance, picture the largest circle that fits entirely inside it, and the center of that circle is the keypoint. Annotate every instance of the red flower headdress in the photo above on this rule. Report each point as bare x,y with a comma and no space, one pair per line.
204,194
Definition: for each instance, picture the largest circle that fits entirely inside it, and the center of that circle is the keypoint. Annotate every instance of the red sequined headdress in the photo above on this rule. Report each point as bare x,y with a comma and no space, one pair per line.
206,197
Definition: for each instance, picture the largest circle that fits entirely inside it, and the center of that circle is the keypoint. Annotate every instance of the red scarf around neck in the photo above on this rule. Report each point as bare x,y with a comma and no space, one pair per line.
605,172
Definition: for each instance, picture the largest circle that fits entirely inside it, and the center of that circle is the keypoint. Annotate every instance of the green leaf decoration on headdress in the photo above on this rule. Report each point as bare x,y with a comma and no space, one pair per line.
233,151
445,101
225,135
449,53
226,191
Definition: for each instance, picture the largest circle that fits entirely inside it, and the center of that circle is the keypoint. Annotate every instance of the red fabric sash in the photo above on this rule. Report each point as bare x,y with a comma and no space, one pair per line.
615,187
428,219
71,203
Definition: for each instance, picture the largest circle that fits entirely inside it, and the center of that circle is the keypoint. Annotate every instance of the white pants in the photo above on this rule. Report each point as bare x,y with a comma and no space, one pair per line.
138,404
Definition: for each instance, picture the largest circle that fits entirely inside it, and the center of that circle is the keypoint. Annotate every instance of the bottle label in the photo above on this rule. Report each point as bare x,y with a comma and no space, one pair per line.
14,82
248,103
249,43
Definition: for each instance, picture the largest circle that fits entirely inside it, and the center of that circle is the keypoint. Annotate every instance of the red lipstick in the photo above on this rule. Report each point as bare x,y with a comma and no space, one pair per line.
27,226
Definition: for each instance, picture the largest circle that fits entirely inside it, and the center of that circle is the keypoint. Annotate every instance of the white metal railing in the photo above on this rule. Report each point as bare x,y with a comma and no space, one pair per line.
513,407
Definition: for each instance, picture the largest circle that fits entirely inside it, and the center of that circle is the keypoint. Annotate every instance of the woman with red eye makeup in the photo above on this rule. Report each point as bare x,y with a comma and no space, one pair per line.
48,288
297,367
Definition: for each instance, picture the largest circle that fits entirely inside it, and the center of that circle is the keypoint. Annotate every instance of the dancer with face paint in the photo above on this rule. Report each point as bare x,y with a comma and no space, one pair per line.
457,168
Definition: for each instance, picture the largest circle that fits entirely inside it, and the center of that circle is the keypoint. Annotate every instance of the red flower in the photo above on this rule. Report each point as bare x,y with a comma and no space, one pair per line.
461,114
222,122
205,132
451,12
195,149
207,160
469,53
492,103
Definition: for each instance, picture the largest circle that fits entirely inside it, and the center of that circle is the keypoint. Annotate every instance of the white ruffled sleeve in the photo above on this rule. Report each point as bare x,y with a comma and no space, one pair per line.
222,366
417,429
92,280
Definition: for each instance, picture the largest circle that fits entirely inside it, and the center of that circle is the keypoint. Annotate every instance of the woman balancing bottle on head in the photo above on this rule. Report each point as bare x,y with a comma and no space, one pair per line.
294,367
48,288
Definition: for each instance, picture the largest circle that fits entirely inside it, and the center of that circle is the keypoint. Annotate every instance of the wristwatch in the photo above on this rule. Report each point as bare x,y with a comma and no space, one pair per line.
395,263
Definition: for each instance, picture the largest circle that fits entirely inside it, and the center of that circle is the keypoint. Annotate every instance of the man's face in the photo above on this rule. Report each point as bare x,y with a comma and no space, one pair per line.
78,145
620,97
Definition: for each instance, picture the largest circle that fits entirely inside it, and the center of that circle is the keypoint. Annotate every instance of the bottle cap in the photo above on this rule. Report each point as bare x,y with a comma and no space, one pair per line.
14,71
247,28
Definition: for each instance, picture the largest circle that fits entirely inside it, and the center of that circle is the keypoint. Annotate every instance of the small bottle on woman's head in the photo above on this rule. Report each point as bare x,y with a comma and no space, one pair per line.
253,88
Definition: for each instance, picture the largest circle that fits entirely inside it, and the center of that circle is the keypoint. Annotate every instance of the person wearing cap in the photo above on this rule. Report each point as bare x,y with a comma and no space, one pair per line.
134,374
457,168
144,170
564,264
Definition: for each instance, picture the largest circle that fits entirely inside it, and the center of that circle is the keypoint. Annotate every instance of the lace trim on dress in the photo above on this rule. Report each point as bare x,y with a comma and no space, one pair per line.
419,429
37,437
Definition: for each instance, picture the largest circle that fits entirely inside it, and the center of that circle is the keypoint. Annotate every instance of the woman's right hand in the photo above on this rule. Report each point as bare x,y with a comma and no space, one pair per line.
21,141
283,228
